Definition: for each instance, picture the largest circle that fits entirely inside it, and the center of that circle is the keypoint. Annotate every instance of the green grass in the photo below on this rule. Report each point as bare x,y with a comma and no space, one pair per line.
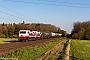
34,52
6,40
80,50
62,54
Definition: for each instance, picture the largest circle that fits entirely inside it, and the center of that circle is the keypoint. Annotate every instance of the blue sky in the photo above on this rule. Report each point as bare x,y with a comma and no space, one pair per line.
61,13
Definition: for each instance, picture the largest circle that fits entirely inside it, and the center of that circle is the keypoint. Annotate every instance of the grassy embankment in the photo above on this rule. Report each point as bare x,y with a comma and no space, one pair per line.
80,50
7,40
34,52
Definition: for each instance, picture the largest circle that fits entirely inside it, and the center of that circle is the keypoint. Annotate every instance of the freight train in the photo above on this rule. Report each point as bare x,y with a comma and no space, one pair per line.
26,35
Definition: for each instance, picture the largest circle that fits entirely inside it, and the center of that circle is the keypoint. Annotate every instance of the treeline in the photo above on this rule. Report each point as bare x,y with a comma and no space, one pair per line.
12,30
81,30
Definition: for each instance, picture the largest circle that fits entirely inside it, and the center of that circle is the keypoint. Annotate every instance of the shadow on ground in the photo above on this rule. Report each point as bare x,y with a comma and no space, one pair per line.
75,58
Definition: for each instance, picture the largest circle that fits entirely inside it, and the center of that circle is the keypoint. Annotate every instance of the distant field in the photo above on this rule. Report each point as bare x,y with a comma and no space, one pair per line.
80,50
7,40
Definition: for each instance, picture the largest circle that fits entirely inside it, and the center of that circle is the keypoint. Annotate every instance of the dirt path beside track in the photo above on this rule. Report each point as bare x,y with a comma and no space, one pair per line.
67,52
53,53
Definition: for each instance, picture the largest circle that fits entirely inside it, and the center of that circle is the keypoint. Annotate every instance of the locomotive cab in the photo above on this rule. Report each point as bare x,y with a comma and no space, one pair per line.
23,35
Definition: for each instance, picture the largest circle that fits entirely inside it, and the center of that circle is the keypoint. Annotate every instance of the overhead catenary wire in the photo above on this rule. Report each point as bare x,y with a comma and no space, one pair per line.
40,3
7,19
8,9
63,2
13,16
37,3
51,4
14,12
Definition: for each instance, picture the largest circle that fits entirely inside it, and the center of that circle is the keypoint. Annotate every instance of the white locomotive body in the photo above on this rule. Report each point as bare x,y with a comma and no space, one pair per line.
24,34
27,35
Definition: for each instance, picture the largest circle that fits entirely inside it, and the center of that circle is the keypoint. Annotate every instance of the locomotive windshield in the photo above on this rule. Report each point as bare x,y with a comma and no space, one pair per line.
22,32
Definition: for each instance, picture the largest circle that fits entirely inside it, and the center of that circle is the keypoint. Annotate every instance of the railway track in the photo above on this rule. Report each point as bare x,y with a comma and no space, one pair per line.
11,47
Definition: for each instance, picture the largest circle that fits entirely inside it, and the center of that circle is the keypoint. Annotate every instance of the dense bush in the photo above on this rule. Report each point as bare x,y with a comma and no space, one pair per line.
15,36
81,30
2,36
